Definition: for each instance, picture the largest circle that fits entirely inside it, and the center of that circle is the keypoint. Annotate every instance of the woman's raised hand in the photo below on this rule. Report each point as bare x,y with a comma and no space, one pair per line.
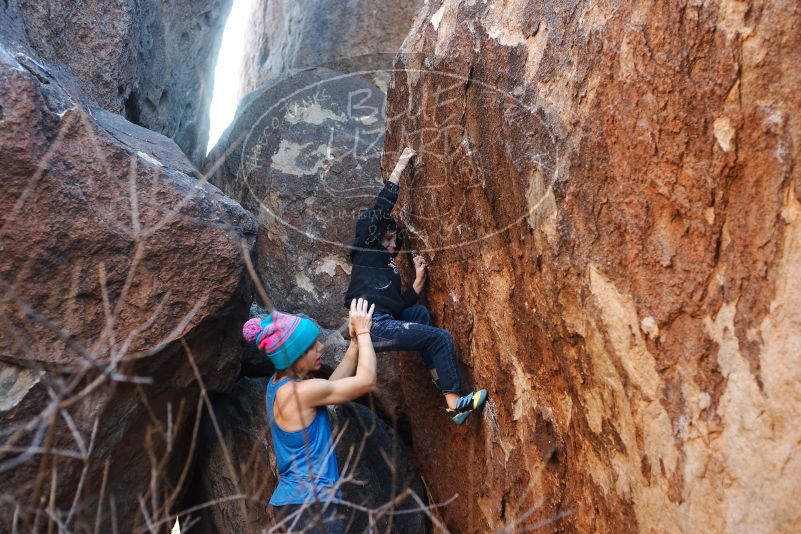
361,315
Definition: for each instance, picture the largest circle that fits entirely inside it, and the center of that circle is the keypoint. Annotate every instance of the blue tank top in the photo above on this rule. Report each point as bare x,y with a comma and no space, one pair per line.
296,451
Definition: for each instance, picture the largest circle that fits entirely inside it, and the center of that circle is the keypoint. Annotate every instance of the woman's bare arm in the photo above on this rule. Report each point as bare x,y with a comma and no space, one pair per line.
317,392
347,366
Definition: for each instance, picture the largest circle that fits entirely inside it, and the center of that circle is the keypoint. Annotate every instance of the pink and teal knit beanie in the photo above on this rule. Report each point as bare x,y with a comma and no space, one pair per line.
283,337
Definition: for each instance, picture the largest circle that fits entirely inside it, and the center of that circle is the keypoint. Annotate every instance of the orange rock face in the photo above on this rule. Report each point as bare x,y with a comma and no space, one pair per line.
608,194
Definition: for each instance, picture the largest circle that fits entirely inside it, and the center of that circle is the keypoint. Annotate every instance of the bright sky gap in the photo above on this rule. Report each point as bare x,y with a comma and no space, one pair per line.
227,72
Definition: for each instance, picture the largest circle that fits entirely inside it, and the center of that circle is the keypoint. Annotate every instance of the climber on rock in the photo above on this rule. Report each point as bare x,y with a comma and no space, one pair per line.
307,493
398,323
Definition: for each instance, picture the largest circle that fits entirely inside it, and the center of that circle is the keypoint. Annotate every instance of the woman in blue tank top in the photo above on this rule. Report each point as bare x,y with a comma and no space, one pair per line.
308,492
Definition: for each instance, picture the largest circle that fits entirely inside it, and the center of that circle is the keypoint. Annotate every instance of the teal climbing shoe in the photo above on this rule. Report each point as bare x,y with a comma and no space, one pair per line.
467,404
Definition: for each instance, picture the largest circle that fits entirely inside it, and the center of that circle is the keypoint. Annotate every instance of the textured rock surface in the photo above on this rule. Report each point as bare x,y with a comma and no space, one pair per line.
365,450
151,61
303,154
112,257
350,35
613,221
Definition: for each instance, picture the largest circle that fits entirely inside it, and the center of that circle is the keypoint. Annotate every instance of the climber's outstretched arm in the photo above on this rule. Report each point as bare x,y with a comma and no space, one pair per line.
318,392
347,366
345,388
373,222
407,154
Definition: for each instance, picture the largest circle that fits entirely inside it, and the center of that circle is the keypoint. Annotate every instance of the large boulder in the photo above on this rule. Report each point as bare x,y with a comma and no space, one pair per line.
123,288
236,468
350,35
608,193
151,61
303,154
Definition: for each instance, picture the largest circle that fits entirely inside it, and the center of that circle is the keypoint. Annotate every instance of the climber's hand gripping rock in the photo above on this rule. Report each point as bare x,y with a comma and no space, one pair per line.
420,265
407,154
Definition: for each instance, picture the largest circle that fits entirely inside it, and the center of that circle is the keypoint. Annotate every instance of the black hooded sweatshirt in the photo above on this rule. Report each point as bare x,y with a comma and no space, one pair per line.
375,276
